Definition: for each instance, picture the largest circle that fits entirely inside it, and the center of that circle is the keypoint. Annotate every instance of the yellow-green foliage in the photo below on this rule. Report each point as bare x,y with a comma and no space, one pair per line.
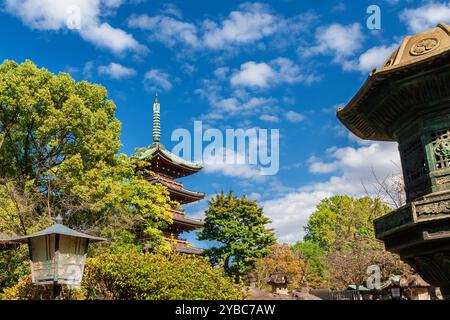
140,276
25,290
156,277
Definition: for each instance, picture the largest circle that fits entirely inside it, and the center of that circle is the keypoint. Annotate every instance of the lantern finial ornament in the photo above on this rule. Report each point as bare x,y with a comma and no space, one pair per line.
58,219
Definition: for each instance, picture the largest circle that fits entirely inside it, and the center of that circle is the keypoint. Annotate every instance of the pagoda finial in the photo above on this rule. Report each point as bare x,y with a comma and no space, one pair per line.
156,120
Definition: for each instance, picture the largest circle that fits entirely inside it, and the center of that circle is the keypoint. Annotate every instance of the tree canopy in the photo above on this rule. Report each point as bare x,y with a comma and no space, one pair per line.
340,242
340,217
315,269
281,259
59,154
239,233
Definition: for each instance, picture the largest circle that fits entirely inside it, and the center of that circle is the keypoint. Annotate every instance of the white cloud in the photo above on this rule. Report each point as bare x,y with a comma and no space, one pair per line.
351,170
165,29
171,9
291,212
263,75
294,117
337,40
371,59
105,36
269,118
253,74
221,73
116,71
426,16
250,23
58,14
229,163
156,81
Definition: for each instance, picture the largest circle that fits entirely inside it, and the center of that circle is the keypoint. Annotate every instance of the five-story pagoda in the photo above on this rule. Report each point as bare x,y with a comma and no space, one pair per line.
167,167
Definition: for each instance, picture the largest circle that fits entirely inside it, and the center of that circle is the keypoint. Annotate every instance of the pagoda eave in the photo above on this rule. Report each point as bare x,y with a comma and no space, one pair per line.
187,222
162,160
182,195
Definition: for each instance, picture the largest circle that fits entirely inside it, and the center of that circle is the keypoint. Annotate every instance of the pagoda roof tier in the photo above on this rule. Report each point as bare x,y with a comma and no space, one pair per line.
180,218
410,77
178,193
184,247
165,162
181,246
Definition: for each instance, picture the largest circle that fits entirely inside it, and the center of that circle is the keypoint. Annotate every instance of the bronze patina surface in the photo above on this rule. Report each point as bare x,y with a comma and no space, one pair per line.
407,100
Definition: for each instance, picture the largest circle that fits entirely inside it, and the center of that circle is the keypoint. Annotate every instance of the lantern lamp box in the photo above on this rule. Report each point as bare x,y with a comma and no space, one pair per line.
57,254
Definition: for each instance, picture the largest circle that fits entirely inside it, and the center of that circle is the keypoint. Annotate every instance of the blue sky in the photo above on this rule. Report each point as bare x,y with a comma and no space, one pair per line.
284,65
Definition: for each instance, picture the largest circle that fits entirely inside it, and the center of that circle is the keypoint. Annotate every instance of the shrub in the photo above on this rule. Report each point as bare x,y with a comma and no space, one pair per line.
156,277
140,276
25,290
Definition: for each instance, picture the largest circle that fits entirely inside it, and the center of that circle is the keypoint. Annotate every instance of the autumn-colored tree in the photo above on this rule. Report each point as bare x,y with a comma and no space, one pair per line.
349,263
239,233
281,259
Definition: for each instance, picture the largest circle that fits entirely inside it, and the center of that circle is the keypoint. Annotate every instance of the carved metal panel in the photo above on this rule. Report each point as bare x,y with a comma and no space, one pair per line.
413,162
440,143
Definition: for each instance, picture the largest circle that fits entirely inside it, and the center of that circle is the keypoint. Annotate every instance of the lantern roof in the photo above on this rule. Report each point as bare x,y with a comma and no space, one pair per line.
57,228
415,53
417,48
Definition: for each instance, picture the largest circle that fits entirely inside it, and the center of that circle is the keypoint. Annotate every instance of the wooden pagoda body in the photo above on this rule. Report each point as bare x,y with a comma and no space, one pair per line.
167,168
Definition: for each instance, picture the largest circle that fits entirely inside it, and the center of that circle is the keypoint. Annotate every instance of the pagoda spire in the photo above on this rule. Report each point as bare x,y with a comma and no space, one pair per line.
156,120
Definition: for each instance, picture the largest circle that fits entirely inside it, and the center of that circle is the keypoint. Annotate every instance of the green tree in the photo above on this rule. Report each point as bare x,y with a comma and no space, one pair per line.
238,230
315,270
340,217
59,143
342,227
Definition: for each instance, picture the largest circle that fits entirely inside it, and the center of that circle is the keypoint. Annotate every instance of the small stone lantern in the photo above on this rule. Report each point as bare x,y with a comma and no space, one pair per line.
279,282
407,100
57,255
